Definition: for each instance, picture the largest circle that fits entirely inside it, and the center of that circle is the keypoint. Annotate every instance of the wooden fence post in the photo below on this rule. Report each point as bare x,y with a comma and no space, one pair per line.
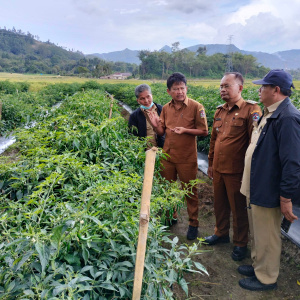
111,106
144,223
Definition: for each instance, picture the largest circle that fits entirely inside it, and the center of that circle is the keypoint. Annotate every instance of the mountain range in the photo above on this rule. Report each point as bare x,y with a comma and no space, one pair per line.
289,59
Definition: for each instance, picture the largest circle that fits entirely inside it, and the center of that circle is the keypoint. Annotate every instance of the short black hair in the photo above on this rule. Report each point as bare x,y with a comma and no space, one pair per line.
237,76
285,92
175,78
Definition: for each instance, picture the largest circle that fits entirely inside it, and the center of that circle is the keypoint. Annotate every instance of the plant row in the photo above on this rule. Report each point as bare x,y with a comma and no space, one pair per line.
20,108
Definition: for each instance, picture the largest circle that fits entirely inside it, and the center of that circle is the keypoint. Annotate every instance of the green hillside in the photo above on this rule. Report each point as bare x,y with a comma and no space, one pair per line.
20,52
24,53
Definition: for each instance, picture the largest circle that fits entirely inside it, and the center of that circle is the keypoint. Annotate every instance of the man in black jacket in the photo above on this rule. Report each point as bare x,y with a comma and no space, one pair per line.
139,119
271,178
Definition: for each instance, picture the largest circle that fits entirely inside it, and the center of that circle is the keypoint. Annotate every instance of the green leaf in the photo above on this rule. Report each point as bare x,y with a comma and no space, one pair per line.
44,254
28,292
86,268
175,240
44,294
19,263
85,254
57,234
59,289
124,264
72,259
84,278
122,291
19,195
76,144
172,276
184,285
107,286
200,267
11,286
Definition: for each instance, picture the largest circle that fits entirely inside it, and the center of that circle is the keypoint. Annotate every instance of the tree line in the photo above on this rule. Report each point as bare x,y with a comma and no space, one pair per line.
160,64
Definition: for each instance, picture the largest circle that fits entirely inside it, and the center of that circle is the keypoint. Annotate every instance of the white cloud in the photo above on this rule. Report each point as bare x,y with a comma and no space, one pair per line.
128,11
190,6
110,25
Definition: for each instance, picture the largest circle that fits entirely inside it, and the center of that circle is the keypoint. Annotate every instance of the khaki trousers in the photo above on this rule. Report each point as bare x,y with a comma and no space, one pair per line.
227,198
185,172
265,237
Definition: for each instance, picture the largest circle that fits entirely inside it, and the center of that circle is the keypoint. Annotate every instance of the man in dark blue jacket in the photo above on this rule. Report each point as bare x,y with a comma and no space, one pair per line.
139,118
271,178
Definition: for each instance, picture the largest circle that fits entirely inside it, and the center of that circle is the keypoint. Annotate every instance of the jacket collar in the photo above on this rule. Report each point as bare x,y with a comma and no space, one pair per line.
280,108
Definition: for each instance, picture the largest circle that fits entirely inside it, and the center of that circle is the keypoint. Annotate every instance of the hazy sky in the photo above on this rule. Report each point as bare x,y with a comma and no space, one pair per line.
100,26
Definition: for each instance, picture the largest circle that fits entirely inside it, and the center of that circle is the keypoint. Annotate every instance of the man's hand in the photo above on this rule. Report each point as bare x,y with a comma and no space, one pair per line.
286,207
178,130
154,119
210,172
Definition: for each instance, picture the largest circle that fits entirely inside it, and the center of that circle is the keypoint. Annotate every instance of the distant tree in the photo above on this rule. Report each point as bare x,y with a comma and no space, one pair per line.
243,63
201,51
175,46
83,70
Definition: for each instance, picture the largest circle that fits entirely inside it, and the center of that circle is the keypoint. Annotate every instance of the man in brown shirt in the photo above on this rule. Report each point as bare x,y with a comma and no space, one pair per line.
182,119
232,128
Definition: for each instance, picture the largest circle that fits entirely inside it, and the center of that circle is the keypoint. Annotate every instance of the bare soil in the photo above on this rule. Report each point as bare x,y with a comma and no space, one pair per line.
222,282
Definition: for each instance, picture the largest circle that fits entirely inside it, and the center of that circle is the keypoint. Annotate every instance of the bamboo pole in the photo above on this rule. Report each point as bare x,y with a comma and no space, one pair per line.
144,223
111,106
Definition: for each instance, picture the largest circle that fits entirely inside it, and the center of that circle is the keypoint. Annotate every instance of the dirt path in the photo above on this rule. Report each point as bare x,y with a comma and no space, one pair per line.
222,282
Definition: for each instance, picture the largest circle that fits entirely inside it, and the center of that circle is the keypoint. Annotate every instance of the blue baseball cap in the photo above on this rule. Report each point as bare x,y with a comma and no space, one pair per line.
277,77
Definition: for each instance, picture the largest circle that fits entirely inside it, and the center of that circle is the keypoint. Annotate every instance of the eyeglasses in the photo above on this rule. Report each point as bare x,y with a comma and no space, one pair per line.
227,86
264,86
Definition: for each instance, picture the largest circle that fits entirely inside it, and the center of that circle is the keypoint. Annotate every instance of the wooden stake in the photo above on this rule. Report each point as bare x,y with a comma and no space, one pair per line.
144,223
111,106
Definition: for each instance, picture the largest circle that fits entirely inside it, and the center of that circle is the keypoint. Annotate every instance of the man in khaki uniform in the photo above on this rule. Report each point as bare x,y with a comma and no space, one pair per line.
271,179
232,127
182,119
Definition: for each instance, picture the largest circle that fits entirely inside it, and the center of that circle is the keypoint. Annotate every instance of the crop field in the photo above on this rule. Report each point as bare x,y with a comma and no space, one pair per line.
38,81
69,207
69,202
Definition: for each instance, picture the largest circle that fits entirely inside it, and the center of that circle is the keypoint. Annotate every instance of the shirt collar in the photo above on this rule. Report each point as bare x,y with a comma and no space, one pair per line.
186,101
239,103
273,107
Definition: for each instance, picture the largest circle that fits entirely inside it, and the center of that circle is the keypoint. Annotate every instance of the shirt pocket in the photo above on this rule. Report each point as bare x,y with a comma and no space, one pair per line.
218,126
237,125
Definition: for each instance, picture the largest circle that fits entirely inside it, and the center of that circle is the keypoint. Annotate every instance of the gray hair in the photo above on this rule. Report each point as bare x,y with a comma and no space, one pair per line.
141,88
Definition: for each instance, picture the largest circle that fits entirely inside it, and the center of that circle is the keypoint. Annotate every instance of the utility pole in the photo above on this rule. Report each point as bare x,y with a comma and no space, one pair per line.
229,67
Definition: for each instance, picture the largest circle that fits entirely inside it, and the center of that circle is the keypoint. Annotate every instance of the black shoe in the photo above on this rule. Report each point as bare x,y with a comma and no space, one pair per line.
246,270
239,253
253,284
214,239
192,233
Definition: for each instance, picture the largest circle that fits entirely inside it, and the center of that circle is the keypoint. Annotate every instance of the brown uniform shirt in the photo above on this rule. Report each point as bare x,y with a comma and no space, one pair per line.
182,148
230,136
